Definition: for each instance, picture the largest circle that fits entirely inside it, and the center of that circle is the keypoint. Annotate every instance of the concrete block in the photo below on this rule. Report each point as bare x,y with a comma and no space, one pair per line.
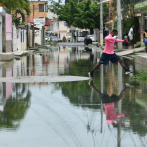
141,61
6,56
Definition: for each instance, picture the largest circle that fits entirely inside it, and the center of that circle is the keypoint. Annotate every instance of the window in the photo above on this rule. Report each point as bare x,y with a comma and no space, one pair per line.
41,7
65,24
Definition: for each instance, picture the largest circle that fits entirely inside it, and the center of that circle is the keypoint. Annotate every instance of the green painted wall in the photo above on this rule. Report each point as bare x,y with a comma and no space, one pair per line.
144,10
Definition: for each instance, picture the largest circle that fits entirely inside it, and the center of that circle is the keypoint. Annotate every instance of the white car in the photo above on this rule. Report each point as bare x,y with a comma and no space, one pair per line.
83,38
91,37
46,38
80,38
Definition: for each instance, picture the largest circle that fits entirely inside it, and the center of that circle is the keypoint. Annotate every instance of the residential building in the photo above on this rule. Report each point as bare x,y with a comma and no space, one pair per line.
39,12
60,27
19,38
2,31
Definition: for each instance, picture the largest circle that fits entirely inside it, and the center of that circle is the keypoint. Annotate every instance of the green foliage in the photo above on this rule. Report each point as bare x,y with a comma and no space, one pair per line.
115,24
82,15
15,7
142,75
128,23
128,6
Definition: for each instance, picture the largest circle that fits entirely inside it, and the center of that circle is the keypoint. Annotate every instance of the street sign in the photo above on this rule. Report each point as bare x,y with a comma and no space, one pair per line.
39,21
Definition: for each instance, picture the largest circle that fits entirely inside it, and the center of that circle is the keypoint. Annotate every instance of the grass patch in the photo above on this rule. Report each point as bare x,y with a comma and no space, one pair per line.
134,53
51,43
27,54
142,75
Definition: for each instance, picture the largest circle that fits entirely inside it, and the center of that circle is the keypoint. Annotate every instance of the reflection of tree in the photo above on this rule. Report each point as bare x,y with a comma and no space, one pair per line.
137,115
15,108
79,93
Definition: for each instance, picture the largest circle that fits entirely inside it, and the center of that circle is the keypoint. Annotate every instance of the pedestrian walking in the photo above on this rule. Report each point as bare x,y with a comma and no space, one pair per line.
145,40
69,37
108,54
74,38
131,34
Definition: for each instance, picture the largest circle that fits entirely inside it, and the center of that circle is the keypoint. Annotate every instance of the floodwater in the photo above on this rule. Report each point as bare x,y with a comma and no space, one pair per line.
71,114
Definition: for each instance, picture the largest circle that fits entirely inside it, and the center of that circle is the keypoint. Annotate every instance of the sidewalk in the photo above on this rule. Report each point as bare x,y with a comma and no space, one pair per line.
122,52
51,79
71,43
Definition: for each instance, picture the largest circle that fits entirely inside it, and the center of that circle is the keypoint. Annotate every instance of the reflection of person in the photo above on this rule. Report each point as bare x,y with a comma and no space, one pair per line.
131,34
109,103
108,54
145,39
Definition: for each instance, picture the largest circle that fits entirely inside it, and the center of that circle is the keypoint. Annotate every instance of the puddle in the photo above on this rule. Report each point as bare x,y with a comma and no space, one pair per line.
99,114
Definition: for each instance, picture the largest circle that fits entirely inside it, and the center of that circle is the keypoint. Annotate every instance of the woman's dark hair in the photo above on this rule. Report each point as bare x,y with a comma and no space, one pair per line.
114,31
145,30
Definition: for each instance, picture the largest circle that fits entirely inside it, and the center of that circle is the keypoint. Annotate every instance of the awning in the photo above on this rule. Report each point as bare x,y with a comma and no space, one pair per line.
142,5
47,23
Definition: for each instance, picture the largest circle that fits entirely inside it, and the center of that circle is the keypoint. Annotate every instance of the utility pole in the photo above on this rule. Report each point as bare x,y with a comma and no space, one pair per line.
101,22
102,90
119,25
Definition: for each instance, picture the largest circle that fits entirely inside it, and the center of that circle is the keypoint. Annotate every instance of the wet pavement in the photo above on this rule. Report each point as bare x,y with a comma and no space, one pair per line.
71,114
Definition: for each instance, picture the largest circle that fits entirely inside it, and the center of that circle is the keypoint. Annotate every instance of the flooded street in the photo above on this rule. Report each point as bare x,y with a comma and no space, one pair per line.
71,114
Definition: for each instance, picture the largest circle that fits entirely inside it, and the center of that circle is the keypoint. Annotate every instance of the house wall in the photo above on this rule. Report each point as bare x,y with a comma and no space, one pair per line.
1,47
8,23
16,39
62,28
36,13
19,39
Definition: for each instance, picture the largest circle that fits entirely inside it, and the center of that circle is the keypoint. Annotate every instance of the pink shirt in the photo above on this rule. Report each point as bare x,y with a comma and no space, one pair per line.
110,113
109,40
126,39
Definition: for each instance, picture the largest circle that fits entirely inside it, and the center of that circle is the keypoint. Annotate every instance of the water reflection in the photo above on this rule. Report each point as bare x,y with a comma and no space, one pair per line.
15,106
76,114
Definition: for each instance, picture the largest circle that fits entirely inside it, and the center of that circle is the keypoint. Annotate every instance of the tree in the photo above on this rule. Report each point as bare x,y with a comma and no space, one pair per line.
82,15
15,7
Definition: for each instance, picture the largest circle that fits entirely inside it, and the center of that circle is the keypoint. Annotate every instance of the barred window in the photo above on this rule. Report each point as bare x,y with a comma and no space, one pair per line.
41,7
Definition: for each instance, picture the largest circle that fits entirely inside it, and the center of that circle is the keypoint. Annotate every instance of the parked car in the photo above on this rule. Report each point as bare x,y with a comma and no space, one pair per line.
53,38
56,39
59,40
80,38
46,38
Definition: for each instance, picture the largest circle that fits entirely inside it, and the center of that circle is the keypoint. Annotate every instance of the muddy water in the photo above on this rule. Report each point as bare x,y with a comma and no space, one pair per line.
75,114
